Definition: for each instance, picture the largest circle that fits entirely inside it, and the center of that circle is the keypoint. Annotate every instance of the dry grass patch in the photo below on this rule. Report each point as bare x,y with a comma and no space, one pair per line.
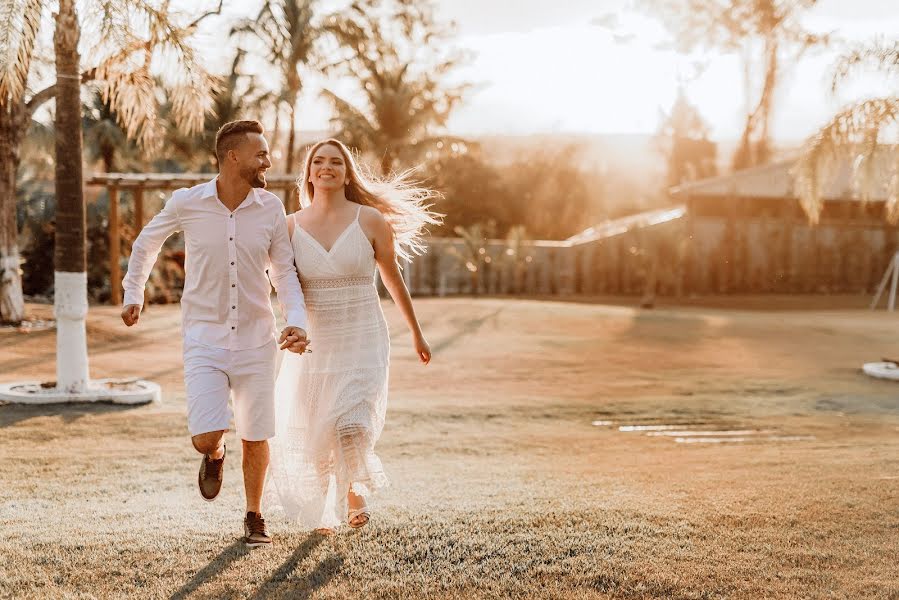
501,486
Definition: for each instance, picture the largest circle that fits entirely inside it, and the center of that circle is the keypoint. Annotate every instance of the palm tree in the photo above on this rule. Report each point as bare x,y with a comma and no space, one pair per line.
866,132
286,29
123,76
104,139
768,32
131,36
683,137
392,50
235,96
18,36
70,278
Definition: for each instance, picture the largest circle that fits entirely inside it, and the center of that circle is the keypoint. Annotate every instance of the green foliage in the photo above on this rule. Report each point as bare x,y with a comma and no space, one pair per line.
238,97
289,35
546,191
395,50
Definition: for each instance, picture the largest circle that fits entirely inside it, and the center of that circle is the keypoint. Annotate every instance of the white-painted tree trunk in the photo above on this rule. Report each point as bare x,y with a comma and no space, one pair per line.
70,308
12,303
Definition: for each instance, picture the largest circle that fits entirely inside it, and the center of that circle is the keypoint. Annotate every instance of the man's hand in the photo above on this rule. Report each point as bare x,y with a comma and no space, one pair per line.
293,339
131,314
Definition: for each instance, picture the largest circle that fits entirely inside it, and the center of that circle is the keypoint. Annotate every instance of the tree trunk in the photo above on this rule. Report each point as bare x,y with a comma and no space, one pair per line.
276,132
12,304
291,135
70,302
387,162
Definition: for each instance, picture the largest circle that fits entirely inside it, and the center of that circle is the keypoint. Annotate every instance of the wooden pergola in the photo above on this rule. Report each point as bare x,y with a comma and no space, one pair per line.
138,183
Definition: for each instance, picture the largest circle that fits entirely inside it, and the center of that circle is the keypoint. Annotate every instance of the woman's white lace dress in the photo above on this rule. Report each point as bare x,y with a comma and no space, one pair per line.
331,403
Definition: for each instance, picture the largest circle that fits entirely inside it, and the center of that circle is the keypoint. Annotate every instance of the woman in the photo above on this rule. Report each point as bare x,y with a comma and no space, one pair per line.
332,400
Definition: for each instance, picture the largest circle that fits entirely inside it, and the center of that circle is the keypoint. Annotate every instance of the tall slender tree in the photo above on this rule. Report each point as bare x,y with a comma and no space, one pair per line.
766,33
286,29
121,87
237,95
19,25
683,138
70,277
395,50
128,38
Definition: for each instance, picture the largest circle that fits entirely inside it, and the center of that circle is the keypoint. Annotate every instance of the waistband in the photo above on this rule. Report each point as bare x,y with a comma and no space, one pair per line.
338,282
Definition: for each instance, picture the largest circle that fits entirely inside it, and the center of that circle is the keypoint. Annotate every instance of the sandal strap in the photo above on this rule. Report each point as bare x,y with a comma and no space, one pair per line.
358,512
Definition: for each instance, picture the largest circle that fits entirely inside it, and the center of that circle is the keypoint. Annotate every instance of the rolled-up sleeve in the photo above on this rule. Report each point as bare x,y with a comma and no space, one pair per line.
284,275
145,250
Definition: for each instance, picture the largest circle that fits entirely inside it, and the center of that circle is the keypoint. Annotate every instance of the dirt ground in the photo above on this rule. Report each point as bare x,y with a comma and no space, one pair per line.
511,474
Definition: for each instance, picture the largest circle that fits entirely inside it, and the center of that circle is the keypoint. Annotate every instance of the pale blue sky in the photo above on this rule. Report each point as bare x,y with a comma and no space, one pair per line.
545,66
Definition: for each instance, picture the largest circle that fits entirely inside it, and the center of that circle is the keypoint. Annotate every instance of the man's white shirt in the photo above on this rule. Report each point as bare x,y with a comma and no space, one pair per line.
226,298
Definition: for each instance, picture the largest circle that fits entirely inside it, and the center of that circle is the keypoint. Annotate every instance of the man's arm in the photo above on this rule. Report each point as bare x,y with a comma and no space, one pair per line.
284,276
143,255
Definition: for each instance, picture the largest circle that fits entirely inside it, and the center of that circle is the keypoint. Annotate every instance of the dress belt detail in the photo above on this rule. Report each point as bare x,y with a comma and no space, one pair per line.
338,282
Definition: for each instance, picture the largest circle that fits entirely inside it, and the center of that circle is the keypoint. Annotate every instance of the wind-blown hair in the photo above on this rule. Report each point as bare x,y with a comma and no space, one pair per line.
403,202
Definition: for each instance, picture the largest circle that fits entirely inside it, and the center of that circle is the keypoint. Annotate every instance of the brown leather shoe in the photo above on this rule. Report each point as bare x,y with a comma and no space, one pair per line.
210,477
255,532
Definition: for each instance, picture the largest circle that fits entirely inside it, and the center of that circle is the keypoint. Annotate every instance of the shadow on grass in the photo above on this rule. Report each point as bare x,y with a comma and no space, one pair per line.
283,583
215,566
10,414
467,328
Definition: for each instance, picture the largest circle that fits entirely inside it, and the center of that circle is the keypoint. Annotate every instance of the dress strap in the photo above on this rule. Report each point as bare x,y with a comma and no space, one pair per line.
292,224
358,212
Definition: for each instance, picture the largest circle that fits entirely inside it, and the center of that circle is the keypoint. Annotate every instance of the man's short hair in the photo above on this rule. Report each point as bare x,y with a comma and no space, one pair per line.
232,134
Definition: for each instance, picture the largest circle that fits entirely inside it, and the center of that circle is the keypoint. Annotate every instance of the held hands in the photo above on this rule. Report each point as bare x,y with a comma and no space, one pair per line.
131,314
422,349
293,339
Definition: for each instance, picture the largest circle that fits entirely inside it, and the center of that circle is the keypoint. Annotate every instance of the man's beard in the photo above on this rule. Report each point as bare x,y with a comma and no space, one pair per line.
252,177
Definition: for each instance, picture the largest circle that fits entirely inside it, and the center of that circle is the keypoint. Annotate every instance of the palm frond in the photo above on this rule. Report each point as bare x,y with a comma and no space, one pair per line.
356,128
131,94
192,102
19,24
879,55
854,133
892,202
144,38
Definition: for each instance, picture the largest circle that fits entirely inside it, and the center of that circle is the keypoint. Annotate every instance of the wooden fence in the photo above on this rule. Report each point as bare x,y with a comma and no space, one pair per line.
680,255
668,252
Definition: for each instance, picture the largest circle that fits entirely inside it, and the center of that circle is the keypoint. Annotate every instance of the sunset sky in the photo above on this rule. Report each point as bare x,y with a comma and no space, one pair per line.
600,66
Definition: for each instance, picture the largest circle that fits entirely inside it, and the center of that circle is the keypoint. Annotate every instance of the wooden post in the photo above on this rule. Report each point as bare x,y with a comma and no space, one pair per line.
115,273
138,209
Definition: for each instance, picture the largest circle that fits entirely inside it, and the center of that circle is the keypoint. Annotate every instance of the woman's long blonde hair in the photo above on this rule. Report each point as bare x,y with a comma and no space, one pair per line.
403,202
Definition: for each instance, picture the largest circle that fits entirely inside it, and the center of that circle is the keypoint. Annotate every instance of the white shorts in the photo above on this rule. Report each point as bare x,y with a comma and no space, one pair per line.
212,375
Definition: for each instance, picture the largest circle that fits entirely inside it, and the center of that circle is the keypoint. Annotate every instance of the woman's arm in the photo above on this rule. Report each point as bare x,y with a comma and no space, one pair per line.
381,236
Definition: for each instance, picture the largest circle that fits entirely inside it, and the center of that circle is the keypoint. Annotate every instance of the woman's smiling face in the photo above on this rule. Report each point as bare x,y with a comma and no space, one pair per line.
328,168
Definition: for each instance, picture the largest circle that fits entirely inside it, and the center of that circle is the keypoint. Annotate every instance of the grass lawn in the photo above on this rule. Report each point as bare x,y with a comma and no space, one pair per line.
510,475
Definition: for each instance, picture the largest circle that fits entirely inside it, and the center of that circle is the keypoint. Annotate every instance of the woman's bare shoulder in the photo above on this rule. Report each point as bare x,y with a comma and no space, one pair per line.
371,216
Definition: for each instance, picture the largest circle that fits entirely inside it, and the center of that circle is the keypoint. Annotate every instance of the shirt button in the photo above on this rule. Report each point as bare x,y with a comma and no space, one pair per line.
231,239
232,328
231,217
233,307
233,285
232,263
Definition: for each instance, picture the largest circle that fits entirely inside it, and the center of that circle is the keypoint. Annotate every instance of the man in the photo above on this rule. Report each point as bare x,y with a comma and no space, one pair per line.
233,231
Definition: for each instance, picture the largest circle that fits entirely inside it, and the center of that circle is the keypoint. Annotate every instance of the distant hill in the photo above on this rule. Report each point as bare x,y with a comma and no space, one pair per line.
628,154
